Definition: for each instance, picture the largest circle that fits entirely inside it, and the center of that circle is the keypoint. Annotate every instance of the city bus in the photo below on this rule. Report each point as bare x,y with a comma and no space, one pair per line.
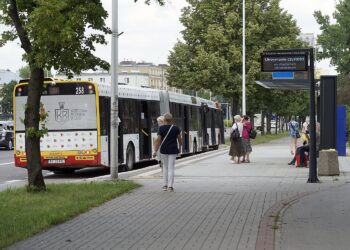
78,123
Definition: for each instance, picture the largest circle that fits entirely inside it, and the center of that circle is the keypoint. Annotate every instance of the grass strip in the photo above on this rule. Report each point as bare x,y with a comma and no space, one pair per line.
263,138
23,214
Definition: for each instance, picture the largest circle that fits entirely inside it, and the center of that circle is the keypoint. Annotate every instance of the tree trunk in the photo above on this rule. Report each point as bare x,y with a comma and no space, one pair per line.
262,123
268,123
277,124
32,119
235,104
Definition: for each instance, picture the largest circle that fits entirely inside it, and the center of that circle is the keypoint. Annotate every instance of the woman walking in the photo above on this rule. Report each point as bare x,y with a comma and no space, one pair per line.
168,143
236,149
247,148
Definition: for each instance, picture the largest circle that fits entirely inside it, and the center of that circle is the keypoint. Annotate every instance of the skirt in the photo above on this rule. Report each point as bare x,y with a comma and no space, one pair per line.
247,147
236,148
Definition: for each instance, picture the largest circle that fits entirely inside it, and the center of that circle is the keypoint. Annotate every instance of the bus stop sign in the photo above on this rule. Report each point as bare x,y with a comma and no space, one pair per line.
284,61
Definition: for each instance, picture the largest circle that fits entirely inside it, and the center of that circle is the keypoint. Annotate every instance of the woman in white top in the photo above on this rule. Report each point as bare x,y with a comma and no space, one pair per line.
236,149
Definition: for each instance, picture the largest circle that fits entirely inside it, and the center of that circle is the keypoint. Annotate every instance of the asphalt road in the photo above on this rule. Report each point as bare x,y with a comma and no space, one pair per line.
8,171
10,174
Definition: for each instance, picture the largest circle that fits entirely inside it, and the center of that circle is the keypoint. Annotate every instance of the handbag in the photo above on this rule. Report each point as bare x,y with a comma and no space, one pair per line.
252,134
235,134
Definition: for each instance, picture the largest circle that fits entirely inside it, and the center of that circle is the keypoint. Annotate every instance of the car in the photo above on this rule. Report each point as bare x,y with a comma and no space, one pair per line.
6,134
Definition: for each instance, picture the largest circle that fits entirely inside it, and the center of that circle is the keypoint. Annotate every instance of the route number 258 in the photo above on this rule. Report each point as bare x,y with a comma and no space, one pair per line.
79,90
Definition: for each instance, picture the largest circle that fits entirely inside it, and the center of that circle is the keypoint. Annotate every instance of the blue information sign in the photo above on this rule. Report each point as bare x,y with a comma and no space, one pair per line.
282,75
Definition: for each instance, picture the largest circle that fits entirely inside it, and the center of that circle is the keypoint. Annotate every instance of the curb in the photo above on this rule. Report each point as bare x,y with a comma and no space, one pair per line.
271,221
155,168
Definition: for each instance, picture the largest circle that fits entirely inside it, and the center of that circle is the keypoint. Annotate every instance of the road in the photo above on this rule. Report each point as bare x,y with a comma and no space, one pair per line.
10,174
8,171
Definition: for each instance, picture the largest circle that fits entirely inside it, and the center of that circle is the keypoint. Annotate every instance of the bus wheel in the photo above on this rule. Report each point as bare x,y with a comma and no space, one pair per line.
130,158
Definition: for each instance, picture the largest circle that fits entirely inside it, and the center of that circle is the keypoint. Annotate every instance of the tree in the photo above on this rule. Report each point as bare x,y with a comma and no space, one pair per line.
334,43
210,55
334,40
58,33
24,72
6,97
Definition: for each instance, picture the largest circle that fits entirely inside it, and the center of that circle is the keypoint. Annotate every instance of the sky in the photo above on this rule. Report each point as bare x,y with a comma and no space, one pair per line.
150,32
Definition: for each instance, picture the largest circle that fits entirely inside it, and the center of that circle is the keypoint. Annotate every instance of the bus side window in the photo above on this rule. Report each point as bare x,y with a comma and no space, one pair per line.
104,115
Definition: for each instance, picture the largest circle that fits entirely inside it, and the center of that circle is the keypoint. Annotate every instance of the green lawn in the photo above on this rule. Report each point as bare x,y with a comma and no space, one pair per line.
263,138
23,213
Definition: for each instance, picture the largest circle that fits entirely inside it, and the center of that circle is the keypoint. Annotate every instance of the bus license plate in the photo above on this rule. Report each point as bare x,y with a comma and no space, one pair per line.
56,161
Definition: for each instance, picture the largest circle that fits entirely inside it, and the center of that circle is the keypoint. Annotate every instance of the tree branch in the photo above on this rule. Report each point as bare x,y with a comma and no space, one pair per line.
22,33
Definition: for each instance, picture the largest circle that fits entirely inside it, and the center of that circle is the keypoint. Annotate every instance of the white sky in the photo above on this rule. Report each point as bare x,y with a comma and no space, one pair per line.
150,32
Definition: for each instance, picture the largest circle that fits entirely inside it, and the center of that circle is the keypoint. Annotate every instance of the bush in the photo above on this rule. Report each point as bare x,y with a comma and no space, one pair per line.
228,123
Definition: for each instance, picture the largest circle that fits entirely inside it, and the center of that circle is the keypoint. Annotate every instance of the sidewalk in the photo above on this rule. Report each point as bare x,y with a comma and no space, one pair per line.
216,205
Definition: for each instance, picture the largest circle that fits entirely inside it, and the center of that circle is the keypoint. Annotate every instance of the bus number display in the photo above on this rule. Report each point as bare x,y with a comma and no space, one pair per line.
79,91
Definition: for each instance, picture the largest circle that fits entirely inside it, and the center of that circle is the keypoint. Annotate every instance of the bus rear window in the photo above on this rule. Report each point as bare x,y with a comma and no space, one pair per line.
65,88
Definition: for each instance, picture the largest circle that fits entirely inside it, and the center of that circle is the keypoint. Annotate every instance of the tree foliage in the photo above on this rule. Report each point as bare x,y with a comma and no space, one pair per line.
334,40
334,43
6,97
210,55
24,72
59,34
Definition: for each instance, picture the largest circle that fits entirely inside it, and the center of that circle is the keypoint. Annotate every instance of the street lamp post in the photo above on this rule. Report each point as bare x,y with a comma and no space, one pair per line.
114,92
243,62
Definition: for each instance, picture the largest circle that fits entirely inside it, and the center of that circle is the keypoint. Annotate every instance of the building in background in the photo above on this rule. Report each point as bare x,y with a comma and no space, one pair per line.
6,76
141,74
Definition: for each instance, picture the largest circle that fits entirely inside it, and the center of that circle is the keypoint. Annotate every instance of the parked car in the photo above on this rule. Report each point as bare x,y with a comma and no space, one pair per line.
6,134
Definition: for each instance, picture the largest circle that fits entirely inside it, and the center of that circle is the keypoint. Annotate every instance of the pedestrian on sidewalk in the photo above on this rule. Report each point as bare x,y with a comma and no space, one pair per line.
247,147
169,143
160,121
236,148
294,135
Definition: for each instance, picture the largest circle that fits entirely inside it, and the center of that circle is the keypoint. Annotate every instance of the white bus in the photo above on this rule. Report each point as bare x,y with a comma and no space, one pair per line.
79,123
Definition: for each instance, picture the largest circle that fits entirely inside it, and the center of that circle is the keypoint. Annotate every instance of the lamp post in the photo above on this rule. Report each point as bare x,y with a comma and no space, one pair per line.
243,62
114,92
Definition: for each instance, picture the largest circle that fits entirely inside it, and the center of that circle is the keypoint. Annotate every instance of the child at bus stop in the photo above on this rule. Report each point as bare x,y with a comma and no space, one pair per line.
160,121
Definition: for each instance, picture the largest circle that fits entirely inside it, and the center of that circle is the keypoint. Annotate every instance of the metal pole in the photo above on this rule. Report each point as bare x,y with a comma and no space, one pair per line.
312,150
114,92
243,62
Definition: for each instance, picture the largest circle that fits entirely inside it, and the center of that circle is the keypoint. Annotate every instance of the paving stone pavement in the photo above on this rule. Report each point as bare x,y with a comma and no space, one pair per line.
216,205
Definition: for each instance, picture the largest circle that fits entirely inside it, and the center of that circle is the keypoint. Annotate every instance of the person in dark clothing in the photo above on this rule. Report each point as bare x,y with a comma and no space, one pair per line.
306,147
169,143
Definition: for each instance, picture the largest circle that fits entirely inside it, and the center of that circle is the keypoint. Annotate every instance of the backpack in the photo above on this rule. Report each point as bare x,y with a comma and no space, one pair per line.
252,134
235,134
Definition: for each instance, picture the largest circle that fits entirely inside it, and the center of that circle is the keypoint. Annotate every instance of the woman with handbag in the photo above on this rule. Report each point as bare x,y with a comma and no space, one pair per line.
236,148
168,143
294,135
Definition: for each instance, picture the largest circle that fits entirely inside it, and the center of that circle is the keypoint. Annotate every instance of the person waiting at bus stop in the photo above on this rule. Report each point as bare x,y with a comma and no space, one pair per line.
306,148
168,143
160,122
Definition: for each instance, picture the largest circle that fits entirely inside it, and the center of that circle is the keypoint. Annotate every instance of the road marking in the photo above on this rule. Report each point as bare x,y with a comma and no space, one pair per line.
12,181
7,163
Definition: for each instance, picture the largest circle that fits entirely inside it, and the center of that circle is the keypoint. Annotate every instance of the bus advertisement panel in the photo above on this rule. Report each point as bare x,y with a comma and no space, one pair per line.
72,125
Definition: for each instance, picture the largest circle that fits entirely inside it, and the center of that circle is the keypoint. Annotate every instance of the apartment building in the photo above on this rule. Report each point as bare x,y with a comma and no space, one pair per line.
140,74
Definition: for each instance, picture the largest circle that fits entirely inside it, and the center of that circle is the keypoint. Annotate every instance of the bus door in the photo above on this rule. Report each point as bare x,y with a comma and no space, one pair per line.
185,131
204,113
120,130
104,104
145,131
212,118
